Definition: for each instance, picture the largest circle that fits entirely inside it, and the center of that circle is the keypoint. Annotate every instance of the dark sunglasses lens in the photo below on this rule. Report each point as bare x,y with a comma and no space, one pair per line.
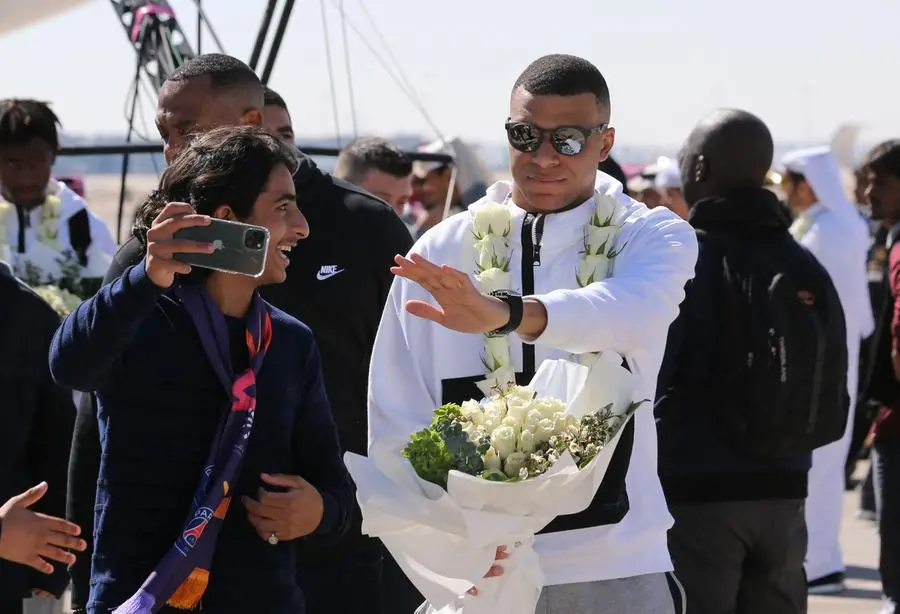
524,137
568,141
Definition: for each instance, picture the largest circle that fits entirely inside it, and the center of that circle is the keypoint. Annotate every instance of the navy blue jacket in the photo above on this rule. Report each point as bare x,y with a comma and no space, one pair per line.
696,463
159,404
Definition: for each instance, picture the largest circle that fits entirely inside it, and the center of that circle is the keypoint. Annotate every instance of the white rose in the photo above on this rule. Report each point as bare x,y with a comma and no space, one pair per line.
492,252
496,352
621,212
522,392
526,442
504,441
474,432
492,461
608,209
545,430
512,422
560,423
514,462
599,239
492,218
493,279
592,269
532,419
494,413
517,408
497,381
472,411
549,407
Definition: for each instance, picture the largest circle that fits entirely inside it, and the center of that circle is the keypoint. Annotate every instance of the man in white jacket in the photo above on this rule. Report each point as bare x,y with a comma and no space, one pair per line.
613,556
831,227
43,223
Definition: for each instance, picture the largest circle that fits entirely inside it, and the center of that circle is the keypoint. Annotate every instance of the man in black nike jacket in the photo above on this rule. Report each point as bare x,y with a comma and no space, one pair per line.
337,284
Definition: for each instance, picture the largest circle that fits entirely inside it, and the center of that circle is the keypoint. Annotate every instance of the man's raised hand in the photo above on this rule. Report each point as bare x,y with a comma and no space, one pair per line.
461,306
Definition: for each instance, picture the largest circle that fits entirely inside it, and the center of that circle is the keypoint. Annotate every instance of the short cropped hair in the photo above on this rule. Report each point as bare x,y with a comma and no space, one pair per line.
885,158
230,165
564,75
274,99
22,120
224,72
361,156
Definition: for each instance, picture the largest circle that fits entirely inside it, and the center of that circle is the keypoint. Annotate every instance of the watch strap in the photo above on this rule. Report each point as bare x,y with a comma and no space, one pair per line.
516,312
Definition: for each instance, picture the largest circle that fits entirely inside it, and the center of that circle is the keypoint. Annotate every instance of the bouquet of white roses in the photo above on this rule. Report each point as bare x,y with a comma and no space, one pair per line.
62,301
514,435
494,473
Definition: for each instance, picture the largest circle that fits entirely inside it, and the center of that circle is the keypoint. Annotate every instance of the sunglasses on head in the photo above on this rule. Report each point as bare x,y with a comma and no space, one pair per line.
566,140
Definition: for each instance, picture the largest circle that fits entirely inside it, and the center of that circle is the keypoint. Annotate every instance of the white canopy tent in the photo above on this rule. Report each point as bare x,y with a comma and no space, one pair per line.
18,14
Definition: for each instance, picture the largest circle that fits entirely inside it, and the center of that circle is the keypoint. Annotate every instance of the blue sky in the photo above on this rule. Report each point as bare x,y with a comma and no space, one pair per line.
804,66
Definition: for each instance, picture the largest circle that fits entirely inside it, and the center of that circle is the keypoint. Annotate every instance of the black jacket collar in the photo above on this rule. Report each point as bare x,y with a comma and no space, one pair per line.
744,211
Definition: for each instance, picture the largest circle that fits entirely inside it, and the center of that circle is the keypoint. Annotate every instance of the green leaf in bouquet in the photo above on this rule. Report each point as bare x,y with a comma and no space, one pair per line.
429,456
445,415
465,453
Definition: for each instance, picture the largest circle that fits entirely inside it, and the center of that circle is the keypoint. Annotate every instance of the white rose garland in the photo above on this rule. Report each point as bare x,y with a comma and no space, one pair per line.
491,227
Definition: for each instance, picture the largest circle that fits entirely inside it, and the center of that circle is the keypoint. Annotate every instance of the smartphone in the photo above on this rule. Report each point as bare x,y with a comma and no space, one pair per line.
240,248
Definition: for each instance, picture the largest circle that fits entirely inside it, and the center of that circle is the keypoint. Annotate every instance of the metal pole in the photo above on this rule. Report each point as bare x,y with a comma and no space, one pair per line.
276,42
263,33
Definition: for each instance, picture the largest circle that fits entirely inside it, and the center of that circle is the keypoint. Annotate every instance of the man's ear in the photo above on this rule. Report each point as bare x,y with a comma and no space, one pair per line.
700,170
224,212
609,139
252,117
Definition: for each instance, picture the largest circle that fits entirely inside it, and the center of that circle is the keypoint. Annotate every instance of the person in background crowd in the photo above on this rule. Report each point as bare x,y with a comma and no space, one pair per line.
827,219
867,409
642,190
739,539
883,193
30,538
42,221
344,314
166,349
380,168
37,417
668,183
434,180
337,284
612,557
276,117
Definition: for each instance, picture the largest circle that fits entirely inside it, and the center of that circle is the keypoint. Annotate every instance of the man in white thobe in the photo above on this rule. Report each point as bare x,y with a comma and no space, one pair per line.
613,557
831,227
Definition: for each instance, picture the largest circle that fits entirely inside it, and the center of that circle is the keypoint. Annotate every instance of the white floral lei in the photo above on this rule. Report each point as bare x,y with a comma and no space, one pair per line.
491,227
47,230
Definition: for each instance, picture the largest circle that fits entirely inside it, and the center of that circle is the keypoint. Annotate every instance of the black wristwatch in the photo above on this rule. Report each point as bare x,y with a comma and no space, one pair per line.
516,312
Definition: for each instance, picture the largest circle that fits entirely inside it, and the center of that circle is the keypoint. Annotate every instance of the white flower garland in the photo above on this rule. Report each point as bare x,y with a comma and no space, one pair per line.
491,227
801,226
46,231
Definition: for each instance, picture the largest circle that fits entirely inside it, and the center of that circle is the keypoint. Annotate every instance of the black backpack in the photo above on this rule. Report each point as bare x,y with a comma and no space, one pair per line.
80,235
780,363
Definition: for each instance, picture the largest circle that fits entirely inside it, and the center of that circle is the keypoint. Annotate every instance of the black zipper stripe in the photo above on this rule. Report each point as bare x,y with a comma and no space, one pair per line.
532,233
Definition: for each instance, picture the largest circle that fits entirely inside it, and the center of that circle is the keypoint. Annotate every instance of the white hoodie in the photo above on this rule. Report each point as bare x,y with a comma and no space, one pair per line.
628,313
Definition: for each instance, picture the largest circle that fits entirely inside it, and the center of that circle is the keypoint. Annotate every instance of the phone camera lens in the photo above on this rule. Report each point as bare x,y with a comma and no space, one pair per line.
255,239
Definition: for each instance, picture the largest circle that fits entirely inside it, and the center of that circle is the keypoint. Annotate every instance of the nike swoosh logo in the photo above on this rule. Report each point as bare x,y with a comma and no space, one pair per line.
323,276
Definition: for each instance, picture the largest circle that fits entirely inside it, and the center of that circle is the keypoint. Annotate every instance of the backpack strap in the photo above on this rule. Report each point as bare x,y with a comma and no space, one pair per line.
80,235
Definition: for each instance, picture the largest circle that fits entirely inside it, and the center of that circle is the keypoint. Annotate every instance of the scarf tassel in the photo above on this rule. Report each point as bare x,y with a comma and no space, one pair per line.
188,595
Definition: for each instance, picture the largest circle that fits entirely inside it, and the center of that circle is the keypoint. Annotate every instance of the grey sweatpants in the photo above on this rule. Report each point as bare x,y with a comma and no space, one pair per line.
651,594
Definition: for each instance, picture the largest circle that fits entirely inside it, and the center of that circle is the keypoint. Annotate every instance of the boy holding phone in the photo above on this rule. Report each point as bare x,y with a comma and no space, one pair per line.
174,355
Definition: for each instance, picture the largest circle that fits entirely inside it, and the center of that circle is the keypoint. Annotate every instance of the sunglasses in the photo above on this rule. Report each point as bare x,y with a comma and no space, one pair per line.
566,140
